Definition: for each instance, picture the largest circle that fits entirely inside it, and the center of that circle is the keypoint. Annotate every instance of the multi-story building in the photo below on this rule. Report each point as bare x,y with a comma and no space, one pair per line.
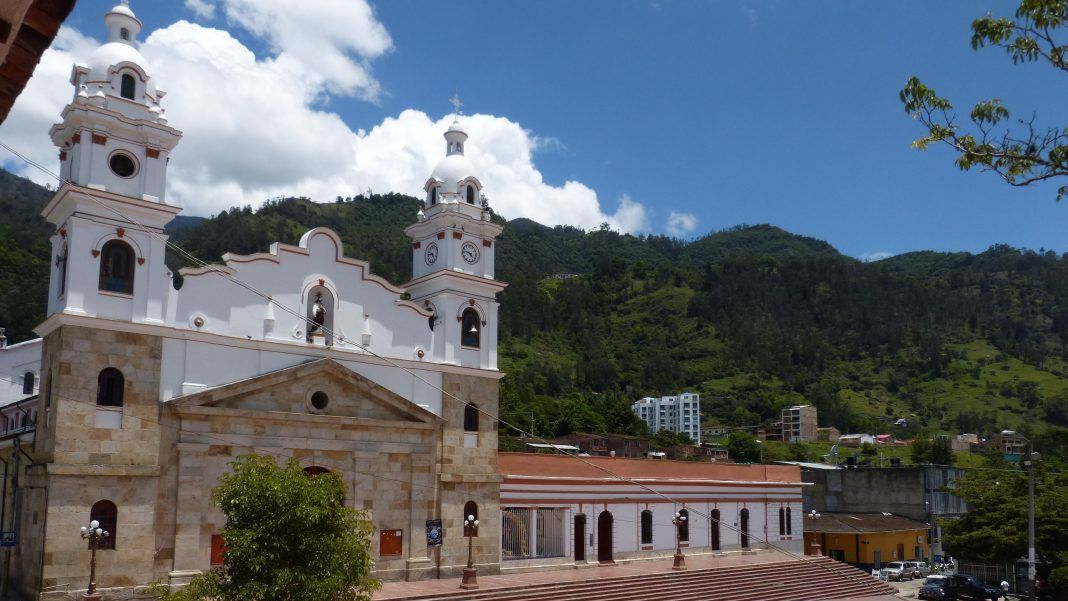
799,423
680,414
1011,443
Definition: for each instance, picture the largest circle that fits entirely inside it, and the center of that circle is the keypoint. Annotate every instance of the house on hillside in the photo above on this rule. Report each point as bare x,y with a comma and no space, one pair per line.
867,540
614,445
855,440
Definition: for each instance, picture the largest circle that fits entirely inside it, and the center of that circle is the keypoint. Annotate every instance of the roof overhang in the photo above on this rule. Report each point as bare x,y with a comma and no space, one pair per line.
27,28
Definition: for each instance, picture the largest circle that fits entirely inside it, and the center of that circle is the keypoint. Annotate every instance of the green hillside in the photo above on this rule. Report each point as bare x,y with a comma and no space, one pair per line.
752,318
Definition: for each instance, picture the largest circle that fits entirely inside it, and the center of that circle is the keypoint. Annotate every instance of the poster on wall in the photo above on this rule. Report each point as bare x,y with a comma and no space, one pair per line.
434,533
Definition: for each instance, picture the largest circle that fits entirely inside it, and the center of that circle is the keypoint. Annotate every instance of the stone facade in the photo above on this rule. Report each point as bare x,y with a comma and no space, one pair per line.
401,463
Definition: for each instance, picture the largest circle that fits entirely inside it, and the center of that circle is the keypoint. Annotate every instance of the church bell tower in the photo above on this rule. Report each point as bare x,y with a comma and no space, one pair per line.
453,244
114,144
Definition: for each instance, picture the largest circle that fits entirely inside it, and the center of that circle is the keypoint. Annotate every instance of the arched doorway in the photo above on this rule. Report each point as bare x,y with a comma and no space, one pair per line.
604,537
745,528
580,537
714,542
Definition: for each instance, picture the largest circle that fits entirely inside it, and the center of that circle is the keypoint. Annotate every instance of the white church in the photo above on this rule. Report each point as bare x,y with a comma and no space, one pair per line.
138,395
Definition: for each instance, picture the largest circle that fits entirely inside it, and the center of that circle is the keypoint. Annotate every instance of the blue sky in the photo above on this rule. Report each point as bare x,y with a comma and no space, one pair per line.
720,112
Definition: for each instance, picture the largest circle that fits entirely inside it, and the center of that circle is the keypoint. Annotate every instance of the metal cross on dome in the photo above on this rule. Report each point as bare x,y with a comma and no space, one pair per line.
456,104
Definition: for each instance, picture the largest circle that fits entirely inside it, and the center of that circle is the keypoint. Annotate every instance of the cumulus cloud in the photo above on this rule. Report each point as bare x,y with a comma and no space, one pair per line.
40,104
256,127
875,256
681,224
201,8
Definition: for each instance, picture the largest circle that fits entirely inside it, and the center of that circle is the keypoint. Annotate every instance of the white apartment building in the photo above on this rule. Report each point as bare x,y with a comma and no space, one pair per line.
799,423
680,414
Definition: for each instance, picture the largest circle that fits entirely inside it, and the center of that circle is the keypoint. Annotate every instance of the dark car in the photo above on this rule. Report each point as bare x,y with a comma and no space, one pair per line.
960,586
934,589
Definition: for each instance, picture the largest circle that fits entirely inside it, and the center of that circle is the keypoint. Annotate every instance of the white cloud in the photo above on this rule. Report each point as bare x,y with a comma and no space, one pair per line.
201,8
680,224
256,127
40,104
875,256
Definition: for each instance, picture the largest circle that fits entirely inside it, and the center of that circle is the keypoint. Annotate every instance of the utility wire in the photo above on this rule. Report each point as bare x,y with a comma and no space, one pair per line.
145,229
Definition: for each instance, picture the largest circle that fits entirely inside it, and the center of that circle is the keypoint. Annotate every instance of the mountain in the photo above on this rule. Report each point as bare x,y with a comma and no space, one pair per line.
753,318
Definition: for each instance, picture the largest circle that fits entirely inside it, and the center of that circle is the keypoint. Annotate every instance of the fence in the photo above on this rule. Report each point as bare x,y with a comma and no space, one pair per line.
549,528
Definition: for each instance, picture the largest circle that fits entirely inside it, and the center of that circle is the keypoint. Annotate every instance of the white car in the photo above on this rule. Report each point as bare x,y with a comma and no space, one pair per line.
896,570
919,569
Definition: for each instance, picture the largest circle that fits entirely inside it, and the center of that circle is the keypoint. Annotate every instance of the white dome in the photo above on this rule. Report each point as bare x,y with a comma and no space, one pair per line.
123,9
451,170
107,56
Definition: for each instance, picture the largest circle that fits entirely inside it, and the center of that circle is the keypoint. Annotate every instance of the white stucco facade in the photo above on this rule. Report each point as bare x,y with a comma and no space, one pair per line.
20,370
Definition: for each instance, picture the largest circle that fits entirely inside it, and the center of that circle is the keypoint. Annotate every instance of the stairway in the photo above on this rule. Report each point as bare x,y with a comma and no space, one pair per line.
811,579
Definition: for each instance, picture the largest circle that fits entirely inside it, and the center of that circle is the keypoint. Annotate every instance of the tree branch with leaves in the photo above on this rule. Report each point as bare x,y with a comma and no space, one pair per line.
1021,154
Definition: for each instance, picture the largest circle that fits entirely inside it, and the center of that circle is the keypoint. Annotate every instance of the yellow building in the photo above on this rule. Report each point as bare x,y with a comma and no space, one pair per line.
867,540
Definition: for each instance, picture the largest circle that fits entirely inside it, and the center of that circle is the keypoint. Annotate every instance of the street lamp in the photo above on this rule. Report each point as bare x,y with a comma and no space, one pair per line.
1029,463
95,535
470,579
680,559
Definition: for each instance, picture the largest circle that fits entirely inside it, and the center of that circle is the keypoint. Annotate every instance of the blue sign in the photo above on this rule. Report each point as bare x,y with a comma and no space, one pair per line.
8,538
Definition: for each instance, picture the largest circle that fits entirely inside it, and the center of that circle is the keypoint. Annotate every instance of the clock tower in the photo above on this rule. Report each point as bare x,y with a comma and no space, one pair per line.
453,243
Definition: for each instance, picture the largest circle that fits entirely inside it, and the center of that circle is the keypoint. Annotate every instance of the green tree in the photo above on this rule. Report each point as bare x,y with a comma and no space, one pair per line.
942,451
1021,156
920,451
288,536
742,447
868,449
995,527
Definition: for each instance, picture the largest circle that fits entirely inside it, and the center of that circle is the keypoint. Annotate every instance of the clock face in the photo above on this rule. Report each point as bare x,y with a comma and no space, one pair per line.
431,254
469,252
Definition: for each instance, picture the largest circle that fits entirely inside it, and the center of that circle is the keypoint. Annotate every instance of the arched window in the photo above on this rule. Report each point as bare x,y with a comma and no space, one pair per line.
124,33
471,417
715,530
434,196
789,522
782,522
470,509
684,527
117,267
110,385
647,527
129,86
744,522
27,382
470,194
315,470
470,329
107,514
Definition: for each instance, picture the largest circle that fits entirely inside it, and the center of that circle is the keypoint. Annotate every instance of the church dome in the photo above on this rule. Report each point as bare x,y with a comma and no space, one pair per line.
106,57
455,167
451,170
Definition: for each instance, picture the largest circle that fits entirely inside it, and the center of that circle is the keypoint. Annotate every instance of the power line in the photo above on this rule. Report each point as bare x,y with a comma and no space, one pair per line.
145,229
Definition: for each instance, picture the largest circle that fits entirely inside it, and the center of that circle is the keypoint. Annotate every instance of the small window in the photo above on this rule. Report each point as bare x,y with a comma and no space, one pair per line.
122,165
124,34
117,267
128,86
471,418
434,196
107,514
315,470
684,527
782,522
647,527
470,334
789,522
320,400
27,382
470,510
470,194
110,385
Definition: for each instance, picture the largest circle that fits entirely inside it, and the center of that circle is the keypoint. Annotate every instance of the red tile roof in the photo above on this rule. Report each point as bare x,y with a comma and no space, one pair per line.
563,466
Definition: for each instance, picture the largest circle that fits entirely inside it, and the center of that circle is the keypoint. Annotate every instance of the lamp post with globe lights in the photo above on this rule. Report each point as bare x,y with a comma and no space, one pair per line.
95,535
680,559
470,579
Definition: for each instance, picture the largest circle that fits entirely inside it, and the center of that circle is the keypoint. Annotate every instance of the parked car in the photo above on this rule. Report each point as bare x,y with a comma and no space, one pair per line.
896,570
934,588
920,569
961,586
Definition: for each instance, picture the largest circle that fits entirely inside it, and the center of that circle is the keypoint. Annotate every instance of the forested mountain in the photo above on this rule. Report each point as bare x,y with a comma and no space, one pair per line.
753,318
